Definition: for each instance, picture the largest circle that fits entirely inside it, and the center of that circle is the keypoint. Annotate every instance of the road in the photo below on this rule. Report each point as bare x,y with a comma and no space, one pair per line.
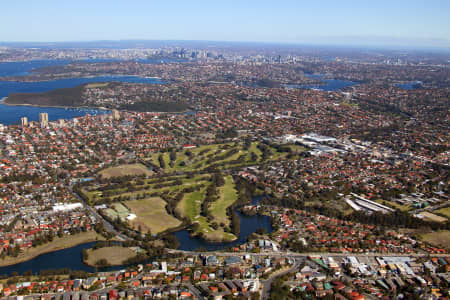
194,291
300,255
108,227
266,284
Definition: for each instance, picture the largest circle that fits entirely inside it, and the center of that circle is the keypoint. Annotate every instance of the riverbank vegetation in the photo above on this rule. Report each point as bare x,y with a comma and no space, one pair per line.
70,97
58,243
108,256
191,187
78,97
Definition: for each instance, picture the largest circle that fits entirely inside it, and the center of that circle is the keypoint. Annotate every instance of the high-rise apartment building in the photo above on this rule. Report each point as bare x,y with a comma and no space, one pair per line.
43,119
24,121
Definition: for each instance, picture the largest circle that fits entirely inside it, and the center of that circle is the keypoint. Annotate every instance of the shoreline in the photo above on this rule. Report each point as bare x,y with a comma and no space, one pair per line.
93,265
17,79
2,101
11,261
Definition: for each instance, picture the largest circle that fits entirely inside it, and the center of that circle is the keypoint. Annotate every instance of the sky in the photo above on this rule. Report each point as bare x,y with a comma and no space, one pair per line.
333,22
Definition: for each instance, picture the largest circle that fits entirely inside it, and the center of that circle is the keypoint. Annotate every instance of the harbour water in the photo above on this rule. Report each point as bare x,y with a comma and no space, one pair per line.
329,85
12,114
71,258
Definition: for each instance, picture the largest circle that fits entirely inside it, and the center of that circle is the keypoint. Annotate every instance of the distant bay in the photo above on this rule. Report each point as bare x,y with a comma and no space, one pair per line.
328,85
23,68
11,114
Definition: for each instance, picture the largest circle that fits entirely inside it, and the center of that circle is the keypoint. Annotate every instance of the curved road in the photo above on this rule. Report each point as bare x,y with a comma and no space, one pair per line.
108,227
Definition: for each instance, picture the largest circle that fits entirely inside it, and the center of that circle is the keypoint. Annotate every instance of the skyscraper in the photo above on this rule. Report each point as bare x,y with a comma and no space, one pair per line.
24,121
43,119
115,114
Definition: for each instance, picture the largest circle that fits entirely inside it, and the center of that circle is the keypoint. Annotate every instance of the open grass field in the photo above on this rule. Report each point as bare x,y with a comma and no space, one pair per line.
228,196
56,244
394,205
114,255
151,215
439,238
97,85
124,170
444,211
433,217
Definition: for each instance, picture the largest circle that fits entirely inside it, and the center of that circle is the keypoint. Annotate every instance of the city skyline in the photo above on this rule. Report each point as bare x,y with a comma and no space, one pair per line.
394,24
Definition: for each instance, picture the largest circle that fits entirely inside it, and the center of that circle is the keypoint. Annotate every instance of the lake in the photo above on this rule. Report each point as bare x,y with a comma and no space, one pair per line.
66,258
248,225
71,257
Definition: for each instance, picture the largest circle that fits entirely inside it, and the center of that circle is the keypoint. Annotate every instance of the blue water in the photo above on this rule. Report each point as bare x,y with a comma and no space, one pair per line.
71,258
410,86
330,86
249,224
67,258
24,68
12,114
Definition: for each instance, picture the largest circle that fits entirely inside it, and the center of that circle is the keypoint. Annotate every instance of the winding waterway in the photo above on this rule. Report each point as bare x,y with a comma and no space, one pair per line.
71,258
248,225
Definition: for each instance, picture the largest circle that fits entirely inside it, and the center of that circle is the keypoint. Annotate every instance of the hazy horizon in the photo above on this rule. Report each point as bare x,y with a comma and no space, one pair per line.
400,23
185,43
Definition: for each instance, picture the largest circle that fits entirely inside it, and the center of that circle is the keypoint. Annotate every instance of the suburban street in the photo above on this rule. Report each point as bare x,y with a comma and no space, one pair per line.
266,284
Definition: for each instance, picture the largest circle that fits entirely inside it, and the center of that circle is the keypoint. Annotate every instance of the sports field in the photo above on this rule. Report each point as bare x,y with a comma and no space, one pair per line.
444,211
125,170
151,215
115,255
439,238
433,217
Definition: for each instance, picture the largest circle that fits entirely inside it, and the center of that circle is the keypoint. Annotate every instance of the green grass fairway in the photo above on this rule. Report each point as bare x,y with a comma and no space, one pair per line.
151,214
190,205
228,196
125,170
200,155
187,170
